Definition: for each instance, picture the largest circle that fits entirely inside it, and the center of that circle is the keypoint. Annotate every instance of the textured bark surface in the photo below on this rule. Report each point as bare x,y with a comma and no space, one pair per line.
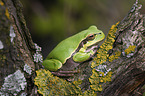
128,70
18,47
128,77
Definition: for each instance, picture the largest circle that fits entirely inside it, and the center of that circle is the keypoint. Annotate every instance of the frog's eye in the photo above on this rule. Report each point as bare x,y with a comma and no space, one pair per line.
91,37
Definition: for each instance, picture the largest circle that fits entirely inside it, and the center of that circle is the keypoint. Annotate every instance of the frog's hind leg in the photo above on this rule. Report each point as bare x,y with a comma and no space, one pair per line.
68,69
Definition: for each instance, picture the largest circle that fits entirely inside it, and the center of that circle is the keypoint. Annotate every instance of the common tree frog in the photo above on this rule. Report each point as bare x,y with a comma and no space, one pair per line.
78,47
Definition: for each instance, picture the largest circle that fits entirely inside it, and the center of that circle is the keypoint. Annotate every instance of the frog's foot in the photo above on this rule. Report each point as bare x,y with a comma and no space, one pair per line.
65,73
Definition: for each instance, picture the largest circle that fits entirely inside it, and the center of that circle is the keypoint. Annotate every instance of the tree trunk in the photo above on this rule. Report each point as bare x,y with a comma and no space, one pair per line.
20,58
129,69
17,69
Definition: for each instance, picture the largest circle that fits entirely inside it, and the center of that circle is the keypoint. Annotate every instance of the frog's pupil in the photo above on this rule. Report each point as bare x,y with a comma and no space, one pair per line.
91,37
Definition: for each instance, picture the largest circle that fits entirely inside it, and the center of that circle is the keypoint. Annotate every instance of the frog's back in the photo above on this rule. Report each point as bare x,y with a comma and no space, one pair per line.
65,48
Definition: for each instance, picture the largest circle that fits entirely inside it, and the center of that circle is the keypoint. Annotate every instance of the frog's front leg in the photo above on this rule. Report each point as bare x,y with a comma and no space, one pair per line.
84,54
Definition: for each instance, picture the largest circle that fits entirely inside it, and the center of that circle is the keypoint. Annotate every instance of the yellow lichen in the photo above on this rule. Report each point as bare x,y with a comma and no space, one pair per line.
96,87
1,3
7,13
130,49
100,88
117,54
49,85
100,77
89,93
101,73
77,82
113,57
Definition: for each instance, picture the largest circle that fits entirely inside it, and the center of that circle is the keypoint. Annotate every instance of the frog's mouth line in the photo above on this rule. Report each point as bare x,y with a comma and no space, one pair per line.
92,48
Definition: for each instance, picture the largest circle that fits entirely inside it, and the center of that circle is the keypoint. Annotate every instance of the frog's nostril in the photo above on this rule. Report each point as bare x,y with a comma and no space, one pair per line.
99,33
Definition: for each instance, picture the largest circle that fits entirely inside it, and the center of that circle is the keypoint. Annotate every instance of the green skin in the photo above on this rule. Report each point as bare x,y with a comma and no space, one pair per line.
64,50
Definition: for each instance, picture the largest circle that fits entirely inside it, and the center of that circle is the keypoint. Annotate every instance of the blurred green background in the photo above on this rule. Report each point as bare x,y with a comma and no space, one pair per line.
50,21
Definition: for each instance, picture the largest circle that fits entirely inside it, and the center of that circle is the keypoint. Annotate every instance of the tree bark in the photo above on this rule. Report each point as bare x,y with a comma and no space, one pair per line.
20,57
129,70
17,69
